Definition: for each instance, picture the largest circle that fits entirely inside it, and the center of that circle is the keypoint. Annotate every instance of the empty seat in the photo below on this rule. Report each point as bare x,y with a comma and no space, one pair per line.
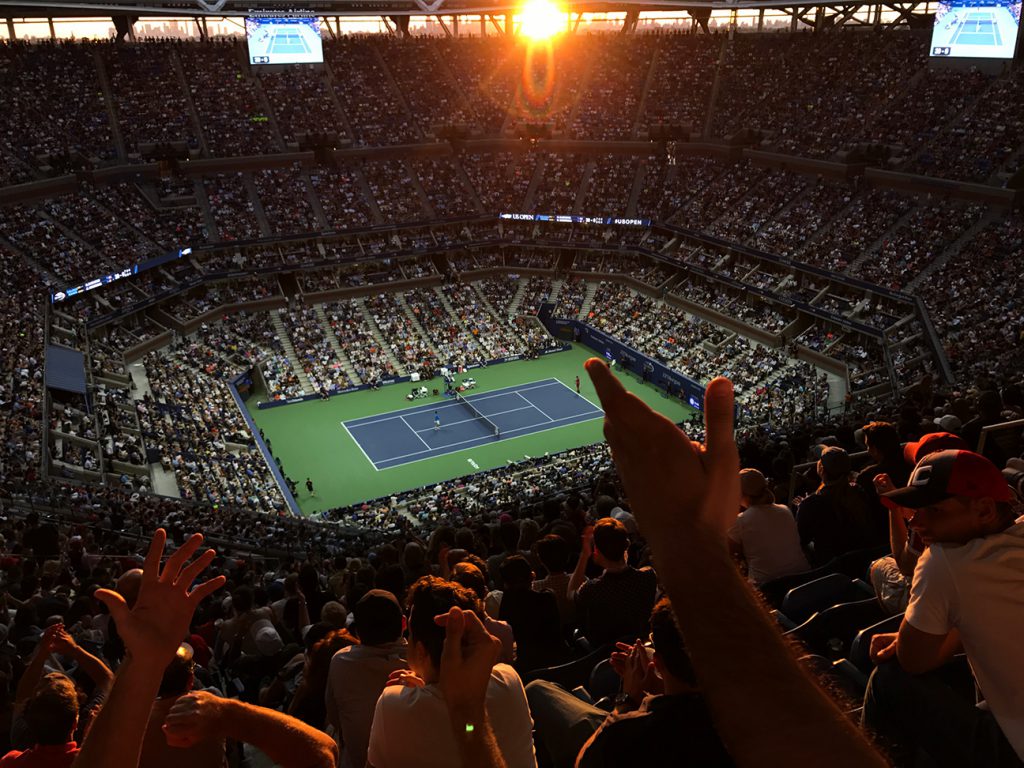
807,599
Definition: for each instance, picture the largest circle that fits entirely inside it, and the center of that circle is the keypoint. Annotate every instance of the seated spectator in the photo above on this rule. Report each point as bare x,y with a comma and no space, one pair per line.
533,617
890,575
52,716
834,519
411,723
553,552
660,717
764,534
882,441
968,592
470,576
358,673
616,604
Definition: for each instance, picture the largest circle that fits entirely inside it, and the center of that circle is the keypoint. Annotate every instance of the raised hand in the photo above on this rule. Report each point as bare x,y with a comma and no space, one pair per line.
405,677
470,653
154,628
193,718
672,482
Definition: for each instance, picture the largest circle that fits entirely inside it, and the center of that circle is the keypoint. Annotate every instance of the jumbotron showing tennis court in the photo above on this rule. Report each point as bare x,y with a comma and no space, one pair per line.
409,435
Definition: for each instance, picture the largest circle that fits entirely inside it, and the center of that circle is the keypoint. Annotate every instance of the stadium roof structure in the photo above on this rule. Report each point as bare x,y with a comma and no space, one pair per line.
221,8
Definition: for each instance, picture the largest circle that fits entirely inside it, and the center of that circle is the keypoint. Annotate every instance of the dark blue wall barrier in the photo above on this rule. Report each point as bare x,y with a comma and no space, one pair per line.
626,357
278,477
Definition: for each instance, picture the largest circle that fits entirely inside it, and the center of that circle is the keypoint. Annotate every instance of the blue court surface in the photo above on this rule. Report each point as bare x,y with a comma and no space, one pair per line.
978,29
288,42
402,437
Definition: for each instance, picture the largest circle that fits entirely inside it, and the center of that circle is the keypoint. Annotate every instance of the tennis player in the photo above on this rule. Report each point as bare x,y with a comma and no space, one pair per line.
437,421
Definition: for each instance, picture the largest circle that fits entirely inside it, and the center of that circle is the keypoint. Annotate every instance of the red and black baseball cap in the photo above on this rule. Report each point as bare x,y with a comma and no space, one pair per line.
932,442
945,474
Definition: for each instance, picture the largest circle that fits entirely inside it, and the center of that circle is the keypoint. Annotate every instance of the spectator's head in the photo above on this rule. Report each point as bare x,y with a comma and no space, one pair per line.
670,656
882,441
413,557
517,574
508,535
754,488
378,618
470,576
391,578
834,465
956,496
990,404
611,540
52,711
334,613
178,677
242,600
430,597
553,552
528,533
932,443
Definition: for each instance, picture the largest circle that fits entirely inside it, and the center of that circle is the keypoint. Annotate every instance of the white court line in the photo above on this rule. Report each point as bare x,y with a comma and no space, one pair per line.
533,405
596,407
518,437
414,431
466,421
472,398
476,439
360,447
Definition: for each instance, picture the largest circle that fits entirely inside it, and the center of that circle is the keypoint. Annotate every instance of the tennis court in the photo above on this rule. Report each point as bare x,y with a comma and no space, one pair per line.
978,29
288,42
409,435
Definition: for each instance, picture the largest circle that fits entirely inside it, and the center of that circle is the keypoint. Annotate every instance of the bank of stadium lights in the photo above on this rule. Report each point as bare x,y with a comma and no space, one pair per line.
541,19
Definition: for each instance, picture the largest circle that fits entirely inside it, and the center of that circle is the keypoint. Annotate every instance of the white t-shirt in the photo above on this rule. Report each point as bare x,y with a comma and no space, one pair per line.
411,728
771,542
978,588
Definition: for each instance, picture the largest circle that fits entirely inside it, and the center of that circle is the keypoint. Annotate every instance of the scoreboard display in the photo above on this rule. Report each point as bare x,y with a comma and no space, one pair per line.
976,29
284,39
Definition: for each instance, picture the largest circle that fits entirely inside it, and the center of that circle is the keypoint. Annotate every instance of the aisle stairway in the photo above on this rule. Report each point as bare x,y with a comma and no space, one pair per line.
343,359
282,336
376,333
588,300
517,299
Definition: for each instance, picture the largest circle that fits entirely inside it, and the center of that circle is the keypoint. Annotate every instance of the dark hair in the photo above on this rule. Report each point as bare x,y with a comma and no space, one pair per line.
471,577
52,710
391,578
516,572
508,534
242,599
883,436
668,642
378,618
177,679
553,552
611,538
431,596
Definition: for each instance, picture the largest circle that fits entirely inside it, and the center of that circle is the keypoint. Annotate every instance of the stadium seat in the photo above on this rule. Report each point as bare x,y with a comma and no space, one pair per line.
775,590
604,680
830,632
572,674
855,564
861,645
807,599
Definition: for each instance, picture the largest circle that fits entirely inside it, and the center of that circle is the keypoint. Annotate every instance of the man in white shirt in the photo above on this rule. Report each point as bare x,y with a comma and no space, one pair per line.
967,594
764,534
411,726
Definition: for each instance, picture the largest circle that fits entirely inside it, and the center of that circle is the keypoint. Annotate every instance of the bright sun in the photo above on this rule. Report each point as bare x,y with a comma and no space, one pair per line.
541,19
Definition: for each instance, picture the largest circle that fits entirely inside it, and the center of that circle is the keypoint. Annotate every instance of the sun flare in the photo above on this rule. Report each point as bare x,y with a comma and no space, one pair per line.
540,19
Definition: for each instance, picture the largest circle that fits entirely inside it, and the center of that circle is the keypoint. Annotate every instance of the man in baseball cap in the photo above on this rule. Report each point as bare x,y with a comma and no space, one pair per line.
967,594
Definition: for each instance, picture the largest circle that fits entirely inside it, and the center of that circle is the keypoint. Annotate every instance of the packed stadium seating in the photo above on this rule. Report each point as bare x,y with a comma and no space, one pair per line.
830,295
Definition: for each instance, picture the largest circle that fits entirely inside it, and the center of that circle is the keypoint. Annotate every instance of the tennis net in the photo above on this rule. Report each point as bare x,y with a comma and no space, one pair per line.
476,413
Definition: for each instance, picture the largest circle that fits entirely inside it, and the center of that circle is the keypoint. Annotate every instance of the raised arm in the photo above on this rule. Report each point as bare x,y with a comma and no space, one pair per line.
579,575
684,495
152,631
93,667
288,742
34,671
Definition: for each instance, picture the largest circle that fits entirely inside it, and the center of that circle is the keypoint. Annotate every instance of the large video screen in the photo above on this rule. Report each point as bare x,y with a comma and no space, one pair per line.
976,29
284,39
